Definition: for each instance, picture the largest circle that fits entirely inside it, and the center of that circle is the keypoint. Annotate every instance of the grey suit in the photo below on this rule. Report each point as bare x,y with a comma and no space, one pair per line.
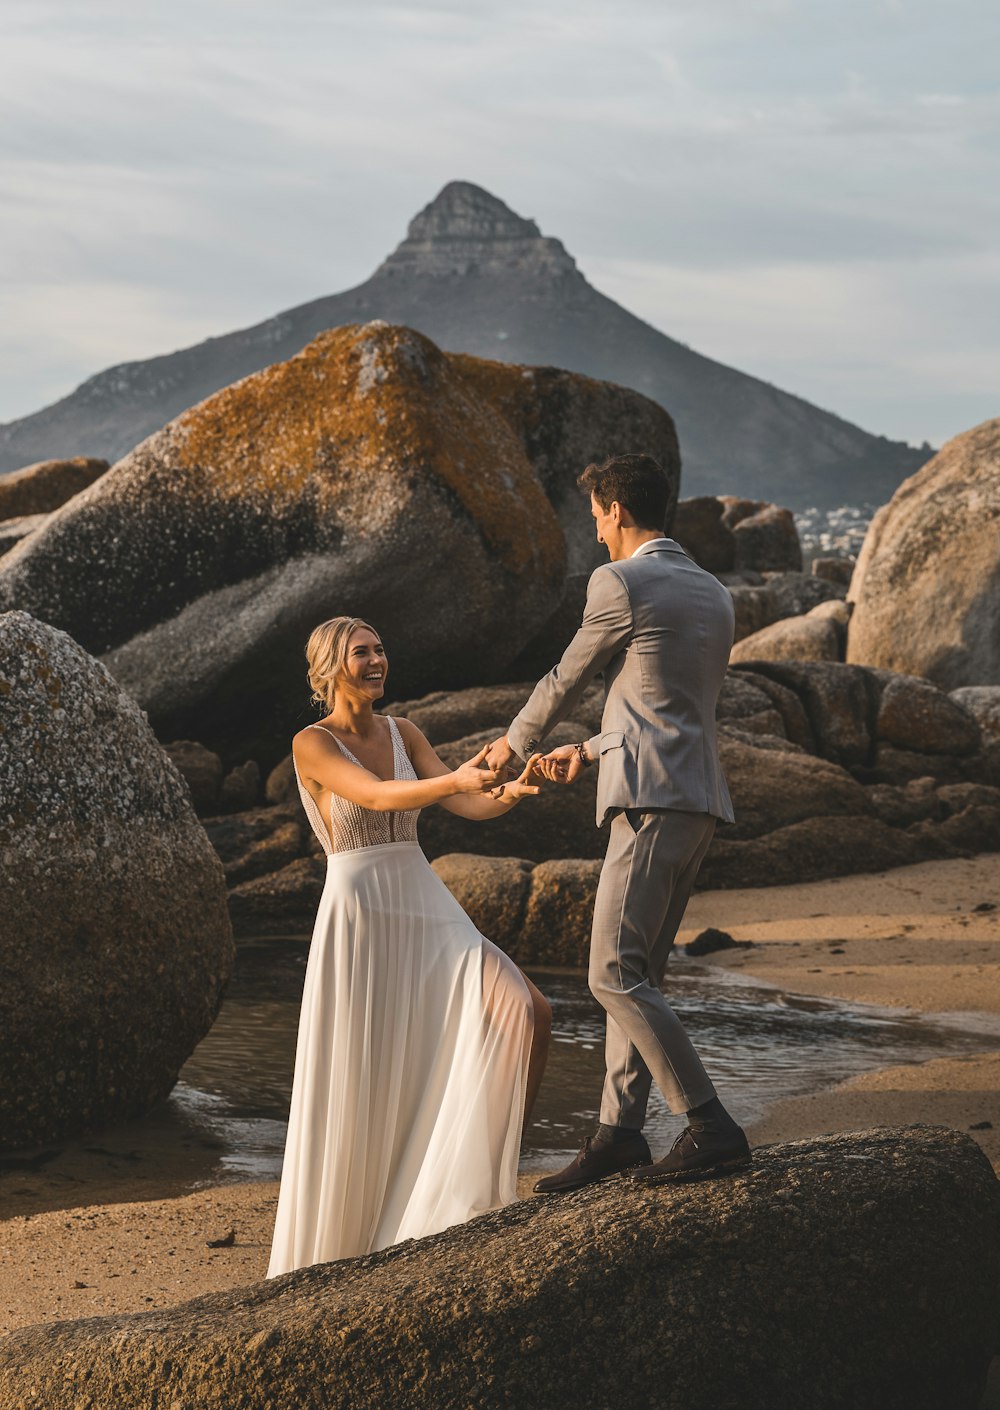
660,628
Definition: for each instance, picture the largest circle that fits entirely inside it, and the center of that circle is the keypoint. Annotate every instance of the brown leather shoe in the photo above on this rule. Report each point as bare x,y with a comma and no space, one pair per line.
595,1162
696,1155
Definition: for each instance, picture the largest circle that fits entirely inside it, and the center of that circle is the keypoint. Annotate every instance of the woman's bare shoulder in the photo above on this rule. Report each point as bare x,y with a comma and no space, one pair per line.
311,737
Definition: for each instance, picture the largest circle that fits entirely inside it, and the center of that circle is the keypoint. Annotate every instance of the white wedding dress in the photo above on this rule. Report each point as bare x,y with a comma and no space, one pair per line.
412,1051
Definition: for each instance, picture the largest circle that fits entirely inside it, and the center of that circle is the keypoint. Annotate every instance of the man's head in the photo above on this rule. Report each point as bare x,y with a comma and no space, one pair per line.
627,493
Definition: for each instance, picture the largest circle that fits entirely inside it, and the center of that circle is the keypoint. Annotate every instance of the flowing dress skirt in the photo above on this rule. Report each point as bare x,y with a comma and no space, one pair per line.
410,1066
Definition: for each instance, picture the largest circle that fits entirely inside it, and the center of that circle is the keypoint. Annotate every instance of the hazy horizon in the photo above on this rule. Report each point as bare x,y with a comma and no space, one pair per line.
807,194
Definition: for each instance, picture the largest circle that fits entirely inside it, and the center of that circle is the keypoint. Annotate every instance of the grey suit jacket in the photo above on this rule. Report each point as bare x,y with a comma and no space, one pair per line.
661,629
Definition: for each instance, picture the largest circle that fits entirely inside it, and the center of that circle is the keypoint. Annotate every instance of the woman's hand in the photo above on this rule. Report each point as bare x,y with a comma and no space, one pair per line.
474,777
522,786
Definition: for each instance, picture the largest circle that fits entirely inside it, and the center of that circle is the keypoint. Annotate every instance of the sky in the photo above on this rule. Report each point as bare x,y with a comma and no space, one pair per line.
808,190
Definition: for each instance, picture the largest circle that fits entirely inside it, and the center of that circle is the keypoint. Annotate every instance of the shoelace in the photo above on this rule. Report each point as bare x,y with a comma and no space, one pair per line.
686,1135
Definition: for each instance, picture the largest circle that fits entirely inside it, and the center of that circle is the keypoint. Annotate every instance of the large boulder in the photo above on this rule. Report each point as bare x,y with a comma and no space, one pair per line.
114,941
857,1270
778,597
805,638
371,474
927,584
493,891
771,788
725,534
764,535
983,703
38,489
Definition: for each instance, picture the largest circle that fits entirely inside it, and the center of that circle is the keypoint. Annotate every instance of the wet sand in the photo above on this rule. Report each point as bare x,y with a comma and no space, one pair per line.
88,1233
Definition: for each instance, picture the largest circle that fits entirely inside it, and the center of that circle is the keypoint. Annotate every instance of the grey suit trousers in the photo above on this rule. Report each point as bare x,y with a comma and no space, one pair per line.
652,860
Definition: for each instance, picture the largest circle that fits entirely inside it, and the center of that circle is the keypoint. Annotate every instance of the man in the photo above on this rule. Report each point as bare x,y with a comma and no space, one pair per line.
660,628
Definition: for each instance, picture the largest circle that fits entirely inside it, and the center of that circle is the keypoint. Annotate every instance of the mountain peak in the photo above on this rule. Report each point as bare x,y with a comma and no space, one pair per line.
467,230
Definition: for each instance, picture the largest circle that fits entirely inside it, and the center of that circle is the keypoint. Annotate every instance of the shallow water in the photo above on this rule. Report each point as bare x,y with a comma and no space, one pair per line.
759,1045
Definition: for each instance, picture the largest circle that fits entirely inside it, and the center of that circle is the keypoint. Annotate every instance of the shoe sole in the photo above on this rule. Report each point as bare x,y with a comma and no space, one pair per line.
582,1184
677,1177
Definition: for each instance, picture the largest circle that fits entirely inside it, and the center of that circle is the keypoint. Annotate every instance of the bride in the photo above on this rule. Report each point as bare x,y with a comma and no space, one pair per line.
421,1045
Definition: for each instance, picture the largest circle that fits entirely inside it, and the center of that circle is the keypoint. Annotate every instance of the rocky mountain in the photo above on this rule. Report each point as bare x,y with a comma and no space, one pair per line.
477,278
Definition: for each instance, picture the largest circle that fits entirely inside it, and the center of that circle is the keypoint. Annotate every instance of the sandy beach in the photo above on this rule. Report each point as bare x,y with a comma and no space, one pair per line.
82,1234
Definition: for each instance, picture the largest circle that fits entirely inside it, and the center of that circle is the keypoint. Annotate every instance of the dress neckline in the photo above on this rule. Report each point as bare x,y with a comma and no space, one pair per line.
393,736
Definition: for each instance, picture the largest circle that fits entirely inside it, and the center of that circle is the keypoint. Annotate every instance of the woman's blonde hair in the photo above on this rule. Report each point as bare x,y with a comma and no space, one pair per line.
326,653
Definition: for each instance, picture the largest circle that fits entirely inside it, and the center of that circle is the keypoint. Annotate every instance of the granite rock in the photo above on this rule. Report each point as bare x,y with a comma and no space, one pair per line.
45,486
856,1270
114,941
927,584
433,494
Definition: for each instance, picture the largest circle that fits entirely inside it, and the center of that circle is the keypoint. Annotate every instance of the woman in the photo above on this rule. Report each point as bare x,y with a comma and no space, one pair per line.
421,1045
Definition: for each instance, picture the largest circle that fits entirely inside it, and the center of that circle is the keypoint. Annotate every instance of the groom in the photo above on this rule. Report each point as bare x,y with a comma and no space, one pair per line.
660,628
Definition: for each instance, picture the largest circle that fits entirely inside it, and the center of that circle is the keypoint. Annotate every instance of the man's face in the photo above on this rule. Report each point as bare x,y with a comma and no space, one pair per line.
608,524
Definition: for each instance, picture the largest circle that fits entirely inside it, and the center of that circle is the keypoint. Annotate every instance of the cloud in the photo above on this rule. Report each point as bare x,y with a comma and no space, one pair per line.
176,169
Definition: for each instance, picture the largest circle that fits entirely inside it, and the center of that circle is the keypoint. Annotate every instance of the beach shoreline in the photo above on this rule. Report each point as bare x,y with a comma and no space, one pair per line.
925,938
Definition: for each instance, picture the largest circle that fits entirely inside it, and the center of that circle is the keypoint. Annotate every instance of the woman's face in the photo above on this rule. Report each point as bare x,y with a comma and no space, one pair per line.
366,665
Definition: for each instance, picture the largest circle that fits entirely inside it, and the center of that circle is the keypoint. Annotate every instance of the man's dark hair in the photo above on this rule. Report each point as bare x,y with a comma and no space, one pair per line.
637,482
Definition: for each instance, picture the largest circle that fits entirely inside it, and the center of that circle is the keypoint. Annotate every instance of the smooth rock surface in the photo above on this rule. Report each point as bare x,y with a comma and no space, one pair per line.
805,638
849,1272
115,946
927,584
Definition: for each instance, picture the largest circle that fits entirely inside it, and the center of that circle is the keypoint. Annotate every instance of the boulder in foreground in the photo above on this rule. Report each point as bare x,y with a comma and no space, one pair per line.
857,1271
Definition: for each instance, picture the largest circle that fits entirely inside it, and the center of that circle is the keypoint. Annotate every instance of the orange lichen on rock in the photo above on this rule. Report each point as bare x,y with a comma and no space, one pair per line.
362,406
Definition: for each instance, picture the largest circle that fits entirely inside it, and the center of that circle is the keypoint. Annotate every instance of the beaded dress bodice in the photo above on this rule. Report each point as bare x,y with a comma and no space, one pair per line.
351,826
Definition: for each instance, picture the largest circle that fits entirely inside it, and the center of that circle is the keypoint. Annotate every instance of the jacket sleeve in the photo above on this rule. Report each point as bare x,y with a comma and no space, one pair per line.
605,630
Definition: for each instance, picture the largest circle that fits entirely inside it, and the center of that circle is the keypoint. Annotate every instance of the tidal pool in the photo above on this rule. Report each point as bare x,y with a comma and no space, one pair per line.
759,1045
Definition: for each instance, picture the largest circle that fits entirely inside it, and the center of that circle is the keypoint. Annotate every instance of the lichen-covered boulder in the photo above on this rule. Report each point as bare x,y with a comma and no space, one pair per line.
372,474
926,587
40,488
115,945
848,1271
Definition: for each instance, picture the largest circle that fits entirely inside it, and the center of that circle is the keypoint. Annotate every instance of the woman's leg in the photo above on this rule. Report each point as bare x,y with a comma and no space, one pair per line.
541,1037
510,999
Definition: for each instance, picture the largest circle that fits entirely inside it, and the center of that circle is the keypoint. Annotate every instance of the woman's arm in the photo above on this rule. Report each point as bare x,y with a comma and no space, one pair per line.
479,807
321,759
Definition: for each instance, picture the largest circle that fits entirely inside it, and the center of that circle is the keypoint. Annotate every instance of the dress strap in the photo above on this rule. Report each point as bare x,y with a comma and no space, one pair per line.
343,747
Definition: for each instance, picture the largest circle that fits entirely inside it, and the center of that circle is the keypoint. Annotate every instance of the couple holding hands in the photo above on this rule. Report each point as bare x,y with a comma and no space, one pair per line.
421,1045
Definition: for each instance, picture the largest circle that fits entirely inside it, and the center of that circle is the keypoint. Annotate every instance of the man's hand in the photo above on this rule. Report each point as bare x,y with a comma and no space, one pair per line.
499,757
562,765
